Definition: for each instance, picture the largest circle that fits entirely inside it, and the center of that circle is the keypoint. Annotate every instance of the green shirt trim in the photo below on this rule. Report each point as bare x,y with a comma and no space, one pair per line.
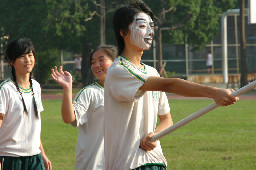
132,72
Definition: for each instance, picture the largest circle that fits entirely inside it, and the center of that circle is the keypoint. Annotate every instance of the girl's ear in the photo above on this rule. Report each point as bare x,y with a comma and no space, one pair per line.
123,33
11,63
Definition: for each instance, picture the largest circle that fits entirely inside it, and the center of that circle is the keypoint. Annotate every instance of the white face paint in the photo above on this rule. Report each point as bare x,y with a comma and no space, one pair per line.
142,31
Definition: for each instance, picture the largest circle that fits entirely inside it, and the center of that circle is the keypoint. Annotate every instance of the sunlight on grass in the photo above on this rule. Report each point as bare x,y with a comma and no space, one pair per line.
222,139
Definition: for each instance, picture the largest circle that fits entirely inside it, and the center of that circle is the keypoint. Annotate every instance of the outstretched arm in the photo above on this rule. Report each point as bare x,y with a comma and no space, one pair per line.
64,79
182,87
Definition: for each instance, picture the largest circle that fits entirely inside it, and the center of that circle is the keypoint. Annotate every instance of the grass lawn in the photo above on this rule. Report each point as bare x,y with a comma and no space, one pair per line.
222,139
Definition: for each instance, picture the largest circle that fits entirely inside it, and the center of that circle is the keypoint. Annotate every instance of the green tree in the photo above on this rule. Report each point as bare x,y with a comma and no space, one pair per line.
26,18
194,22
77,24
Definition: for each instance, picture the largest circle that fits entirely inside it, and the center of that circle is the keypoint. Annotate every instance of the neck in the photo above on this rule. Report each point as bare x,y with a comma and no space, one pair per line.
102,82
23,81
133,55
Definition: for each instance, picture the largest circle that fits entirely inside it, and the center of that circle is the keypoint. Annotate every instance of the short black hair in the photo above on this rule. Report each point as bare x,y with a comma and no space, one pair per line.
17,48
124,16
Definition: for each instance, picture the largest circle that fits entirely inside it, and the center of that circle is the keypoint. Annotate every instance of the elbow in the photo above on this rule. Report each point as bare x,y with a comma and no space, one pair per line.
67,120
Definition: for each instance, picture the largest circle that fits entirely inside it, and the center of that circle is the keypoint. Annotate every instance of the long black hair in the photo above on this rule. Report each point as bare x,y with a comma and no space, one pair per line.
124,16
14,50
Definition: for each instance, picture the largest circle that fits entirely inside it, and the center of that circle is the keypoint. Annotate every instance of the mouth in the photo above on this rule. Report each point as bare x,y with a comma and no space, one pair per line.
98,71
28,65
148,40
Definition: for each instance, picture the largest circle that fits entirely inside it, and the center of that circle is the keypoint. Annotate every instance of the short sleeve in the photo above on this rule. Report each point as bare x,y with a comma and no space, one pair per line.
81,107
164,107
124,83
3,100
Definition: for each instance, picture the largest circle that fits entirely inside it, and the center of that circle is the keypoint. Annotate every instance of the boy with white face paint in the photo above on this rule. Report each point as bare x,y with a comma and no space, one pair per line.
135,96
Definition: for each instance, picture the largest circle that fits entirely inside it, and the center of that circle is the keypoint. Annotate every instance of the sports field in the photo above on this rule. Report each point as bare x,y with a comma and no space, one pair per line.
221,139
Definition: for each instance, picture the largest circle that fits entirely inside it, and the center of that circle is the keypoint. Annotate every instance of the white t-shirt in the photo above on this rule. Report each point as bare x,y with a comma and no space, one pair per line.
19,133
78,63
89,111
209,59
130,114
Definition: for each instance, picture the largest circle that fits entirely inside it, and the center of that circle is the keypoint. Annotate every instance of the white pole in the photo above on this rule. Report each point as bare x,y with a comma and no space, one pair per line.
224,47
154,54
201,112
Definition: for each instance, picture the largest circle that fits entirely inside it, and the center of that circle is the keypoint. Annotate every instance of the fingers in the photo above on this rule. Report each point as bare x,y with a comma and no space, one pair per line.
60,70
67,73
49,165
145,143
231,99
224,97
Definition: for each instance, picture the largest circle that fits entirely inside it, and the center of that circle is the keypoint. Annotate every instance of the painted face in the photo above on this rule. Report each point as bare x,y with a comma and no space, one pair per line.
100,64
24,64
142,31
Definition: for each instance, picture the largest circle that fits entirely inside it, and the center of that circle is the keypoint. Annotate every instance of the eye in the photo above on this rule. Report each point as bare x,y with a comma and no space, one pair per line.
142,26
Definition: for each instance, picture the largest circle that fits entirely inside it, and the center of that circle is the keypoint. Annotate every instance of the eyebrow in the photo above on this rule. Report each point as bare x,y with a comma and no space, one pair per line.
144,20
138,19
99,57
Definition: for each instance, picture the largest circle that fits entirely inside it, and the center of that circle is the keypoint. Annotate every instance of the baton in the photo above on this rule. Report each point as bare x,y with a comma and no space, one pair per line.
201,112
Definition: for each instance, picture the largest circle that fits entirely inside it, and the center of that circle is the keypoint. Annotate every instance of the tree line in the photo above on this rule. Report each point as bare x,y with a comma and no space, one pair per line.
79,26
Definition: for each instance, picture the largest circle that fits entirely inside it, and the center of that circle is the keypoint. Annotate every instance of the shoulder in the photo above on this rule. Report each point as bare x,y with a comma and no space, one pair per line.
35,83
6,83
117,67
90,90
151,70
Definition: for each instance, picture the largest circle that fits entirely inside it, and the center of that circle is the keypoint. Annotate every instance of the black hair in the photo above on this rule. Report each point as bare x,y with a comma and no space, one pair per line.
124,16
110,50
14,50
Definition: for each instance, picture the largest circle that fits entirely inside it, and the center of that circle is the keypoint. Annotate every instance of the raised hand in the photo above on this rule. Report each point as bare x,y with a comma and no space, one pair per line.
63,78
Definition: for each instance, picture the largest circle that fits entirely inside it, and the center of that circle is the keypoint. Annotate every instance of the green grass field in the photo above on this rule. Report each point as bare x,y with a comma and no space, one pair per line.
221,139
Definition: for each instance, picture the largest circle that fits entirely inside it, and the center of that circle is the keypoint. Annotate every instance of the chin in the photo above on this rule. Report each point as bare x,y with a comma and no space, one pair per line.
147,48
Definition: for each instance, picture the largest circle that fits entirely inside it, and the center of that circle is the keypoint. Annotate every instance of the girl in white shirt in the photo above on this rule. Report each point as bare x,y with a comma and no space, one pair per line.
87,110
20,108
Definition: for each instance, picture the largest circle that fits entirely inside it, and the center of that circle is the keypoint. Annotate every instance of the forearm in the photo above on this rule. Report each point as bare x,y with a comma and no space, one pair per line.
67,109
190,89
41,148
1,119
165,122
178,86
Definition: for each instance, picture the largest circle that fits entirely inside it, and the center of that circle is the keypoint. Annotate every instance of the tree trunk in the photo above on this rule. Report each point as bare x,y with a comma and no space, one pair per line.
158,37
87,76
102,22
243,60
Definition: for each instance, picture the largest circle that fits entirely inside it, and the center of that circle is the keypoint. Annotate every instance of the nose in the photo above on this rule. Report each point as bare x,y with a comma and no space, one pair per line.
95,65
150,31
26,58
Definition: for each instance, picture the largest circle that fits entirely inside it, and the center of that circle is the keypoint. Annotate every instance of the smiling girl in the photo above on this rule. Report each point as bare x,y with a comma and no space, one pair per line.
87,110
20,107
